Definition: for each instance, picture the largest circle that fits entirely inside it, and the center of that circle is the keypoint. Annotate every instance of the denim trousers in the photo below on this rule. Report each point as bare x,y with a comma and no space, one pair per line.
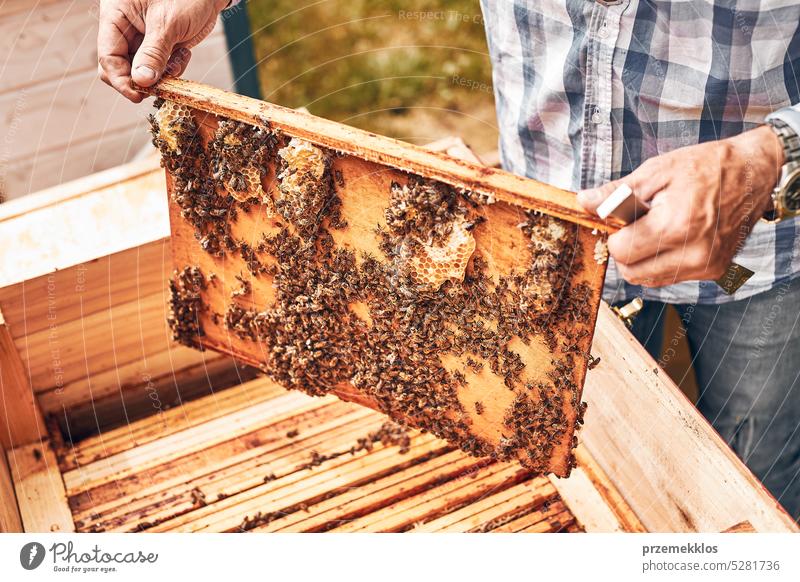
746,356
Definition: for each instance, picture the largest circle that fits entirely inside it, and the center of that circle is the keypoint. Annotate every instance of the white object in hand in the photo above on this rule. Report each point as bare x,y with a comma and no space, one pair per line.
622,204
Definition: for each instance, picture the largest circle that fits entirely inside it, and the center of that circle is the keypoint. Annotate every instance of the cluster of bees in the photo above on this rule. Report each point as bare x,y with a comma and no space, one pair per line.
434,234
314,340
186,305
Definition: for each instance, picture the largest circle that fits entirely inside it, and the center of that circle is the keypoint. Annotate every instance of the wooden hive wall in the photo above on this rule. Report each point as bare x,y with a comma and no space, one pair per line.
91,332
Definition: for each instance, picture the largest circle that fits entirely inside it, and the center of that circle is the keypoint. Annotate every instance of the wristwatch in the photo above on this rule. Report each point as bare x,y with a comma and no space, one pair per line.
786,195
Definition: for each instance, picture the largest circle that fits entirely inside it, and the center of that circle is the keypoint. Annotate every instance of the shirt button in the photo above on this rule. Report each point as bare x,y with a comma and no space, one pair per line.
597,118
603,32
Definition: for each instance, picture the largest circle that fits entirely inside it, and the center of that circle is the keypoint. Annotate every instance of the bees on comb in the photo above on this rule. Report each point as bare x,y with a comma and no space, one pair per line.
240,155
434,234
305,184
433,264
174,122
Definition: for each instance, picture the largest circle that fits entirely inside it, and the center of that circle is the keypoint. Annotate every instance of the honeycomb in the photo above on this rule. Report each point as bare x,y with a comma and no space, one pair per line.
252,186
549,243
172,118
236,169
432,264
304,163
302,183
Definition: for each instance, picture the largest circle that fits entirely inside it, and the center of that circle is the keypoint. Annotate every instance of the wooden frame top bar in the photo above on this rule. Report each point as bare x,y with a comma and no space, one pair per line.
383,150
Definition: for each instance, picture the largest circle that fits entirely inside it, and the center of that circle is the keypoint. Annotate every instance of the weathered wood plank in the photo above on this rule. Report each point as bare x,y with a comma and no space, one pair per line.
47,232
299,490
671,467
167,422
434,502
40,489
50,40
586,503
54,110
493,509
301,487
378,493
178,444
21,420
10,519
223,467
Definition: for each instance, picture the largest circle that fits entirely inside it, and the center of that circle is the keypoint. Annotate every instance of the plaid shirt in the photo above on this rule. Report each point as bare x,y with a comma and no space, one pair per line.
587,92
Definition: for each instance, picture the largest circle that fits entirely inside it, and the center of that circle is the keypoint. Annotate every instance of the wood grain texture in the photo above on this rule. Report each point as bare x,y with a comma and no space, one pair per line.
10,519
743,527
20,418
58,119
674,470
36,38
259,478
383,151
40,489
84,270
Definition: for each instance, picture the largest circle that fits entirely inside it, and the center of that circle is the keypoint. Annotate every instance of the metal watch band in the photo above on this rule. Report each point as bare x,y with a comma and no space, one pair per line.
789,139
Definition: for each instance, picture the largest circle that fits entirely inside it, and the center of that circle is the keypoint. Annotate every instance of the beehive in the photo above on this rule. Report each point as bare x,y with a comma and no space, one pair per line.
123,442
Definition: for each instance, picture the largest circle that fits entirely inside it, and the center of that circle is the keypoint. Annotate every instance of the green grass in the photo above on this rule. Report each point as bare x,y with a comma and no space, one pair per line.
375,64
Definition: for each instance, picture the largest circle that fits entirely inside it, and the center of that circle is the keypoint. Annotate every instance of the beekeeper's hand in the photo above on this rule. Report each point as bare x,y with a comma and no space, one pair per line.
144,39
704,200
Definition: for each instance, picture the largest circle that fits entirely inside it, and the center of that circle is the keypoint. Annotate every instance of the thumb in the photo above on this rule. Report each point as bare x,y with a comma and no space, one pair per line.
591,198
152,57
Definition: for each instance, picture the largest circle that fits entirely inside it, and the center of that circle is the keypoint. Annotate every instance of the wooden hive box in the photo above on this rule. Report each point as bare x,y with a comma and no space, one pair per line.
107,424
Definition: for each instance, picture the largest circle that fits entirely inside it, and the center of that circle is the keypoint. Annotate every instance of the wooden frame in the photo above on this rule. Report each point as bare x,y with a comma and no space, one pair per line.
484,400
406,157
21,420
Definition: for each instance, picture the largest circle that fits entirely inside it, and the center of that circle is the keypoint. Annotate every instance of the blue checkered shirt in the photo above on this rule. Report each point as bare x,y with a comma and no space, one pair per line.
586,92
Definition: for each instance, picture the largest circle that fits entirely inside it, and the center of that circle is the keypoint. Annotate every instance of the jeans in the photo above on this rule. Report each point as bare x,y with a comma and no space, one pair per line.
746,355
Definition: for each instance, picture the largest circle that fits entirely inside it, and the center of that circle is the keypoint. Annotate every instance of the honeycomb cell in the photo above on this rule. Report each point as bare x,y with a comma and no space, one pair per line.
432,264
172,119
600,251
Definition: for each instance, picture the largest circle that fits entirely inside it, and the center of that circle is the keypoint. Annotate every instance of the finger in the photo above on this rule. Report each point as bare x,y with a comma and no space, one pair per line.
113,41
207,29
592,198
178,62
666,268
150,60
644,238
645,182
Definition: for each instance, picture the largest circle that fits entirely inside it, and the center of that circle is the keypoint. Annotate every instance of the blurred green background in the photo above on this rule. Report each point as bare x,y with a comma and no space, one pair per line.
413,70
